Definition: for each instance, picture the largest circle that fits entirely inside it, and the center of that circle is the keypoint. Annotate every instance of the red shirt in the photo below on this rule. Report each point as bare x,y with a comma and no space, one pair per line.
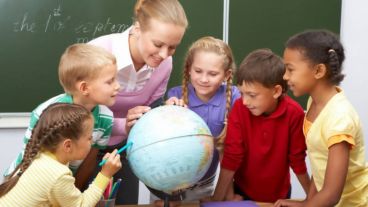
260,149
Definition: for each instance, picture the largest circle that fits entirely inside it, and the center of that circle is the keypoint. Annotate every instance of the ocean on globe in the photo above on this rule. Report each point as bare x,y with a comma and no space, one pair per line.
172,148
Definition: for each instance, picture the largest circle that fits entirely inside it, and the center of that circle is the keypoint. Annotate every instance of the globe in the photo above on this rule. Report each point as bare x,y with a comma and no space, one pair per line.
172,148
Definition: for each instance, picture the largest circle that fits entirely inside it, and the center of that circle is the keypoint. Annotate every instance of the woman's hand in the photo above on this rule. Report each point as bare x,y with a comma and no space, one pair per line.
133,115
175,101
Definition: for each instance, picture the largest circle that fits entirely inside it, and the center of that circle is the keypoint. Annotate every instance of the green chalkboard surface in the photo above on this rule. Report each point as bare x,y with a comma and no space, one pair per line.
34,33
268,24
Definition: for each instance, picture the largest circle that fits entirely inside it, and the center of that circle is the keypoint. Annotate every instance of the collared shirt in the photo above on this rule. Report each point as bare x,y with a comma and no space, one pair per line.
152,85
261,149
338,117
212,112
129,78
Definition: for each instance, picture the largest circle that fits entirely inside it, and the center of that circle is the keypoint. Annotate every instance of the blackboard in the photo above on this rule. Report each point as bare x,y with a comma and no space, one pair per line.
34,33
268,24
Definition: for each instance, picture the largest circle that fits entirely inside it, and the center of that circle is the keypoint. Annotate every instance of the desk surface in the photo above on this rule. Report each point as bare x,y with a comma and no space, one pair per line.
192,205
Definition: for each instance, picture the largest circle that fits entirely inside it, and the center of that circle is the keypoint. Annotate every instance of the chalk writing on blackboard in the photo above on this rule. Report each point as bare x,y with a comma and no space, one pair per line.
57,22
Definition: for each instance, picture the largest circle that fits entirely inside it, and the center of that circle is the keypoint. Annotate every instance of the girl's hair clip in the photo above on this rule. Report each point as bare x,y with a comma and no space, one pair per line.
331,51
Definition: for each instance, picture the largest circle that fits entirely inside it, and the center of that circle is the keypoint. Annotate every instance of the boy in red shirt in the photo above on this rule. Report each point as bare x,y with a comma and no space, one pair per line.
264,136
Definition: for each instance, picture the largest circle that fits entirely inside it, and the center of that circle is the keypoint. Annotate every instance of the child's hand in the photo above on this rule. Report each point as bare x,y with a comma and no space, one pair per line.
133,115
175,101
112,165
236,197
292,203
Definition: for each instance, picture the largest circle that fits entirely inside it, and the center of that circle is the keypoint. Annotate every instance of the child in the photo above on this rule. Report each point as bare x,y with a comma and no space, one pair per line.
62,134
332,127
264,136
209,63
88,76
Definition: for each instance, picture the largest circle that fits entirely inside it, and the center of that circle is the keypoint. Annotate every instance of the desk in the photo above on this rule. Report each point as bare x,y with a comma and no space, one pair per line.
193,205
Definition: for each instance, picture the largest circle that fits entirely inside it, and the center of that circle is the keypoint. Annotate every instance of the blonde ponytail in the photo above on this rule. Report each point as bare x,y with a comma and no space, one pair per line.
168,11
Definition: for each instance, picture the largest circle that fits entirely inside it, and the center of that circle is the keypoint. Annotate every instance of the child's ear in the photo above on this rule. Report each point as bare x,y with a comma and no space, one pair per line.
320,71
82,86
277,92
67,145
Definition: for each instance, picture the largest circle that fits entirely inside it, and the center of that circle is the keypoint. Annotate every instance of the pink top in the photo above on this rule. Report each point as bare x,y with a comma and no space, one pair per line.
154,88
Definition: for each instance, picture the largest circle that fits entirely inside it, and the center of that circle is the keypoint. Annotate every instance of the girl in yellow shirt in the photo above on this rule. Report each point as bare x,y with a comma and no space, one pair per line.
332,128
62,134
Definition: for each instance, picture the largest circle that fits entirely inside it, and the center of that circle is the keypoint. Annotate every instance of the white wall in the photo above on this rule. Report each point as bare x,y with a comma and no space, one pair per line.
11,141
354,34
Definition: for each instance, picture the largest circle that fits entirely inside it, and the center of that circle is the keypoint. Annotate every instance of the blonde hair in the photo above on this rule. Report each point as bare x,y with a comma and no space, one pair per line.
211,44
80,62
168,11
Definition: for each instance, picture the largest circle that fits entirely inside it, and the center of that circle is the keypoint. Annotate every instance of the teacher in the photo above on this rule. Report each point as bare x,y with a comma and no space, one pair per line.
144,60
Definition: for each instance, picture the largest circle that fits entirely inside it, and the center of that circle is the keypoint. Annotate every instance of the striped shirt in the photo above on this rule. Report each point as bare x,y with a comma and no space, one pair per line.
48,182
103,121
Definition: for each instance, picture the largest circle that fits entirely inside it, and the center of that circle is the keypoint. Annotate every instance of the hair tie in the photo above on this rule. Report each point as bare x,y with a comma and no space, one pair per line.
331,51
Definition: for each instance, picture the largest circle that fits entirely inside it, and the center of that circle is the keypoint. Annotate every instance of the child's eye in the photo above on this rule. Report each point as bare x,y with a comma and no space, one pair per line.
110,81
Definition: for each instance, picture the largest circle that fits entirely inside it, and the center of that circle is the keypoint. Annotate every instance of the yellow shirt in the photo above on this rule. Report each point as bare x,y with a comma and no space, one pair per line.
338,122
48,182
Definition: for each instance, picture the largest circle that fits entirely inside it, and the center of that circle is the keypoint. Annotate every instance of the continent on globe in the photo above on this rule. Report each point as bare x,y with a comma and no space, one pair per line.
172,148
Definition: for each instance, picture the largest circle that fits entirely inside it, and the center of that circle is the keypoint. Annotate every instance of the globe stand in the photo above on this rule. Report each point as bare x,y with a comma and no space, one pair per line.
167,201
167,197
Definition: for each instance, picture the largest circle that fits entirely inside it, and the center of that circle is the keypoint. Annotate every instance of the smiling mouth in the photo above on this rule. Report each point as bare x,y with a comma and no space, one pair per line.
202,86
157,60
